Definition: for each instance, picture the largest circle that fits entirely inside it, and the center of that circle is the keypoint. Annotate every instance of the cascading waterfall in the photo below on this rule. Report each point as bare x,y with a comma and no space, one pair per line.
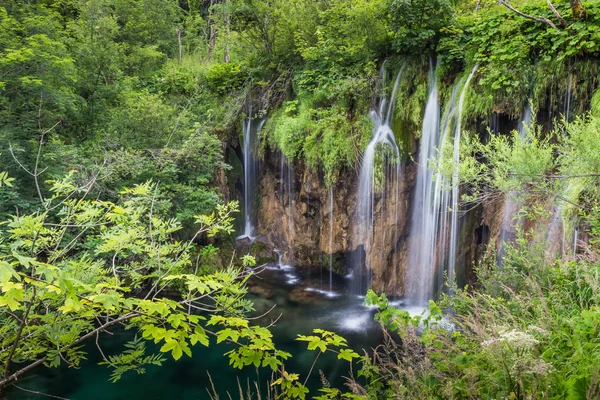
568,98
455,189
383,142
434,229
525,121
424,225
575,241
331,239
251,137
286,175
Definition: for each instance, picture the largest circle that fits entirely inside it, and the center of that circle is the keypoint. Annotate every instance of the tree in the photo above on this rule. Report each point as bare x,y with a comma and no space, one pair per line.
67,275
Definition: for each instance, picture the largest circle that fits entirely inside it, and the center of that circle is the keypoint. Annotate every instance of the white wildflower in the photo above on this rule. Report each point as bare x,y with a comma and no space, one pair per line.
489,342
538,330
540,367
519,339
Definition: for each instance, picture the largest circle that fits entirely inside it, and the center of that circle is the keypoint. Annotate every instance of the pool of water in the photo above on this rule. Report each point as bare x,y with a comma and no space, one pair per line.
302,302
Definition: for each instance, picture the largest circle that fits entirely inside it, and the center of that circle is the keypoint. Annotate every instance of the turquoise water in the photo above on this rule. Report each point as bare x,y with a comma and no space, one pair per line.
295,291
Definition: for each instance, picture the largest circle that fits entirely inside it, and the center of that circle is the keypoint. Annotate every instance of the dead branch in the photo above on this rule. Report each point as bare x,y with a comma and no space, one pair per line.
556,13
543,20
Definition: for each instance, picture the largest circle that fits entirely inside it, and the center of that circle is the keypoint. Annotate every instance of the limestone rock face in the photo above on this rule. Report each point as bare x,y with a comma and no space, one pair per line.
295,216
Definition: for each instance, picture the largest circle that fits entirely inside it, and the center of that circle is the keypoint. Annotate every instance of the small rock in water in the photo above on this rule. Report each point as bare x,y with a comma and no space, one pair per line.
301,296
262,291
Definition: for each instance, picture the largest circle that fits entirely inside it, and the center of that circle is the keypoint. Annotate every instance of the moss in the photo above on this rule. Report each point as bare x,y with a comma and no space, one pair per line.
326,130
262,253
556,81
412,93
339,262
405,133
595,104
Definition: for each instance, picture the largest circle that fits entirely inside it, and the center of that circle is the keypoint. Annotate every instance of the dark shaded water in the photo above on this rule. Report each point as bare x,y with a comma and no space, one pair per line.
304,302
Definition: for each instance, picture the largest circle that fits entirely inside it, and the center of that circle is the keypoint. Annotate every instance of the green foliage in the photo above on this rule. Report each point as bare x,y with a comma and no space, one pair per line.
530,325
5,180
563,164
63,268
418,24
518,56
223,78
132,359
325,138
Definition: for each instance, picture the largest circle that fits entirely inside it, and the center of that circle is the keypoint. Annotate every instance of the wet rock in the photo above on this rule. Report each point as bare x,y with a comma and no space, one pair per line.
262,291
297,216
300,295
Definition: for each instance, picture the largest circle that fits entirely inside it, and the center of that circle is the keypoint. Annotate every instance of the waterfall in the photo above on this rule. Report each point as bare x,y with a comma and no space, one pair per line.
555,229
511,205
455,189
383,151
426,205
286,177
251,137
434,222
525,121
568,99
575,240
331,239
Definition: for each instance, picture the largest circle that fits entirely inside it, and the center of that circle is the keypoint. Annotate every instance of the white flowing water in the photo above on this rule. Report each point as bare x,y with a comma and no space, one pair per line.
381,149
331,239
434,224
426,204
455,188
575,241
286,195
568,99
525,121
251,137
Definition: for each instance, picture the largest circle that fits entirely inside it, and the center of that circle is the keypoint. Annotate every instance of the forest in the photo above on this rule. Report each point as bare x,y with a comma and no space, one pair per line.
299,199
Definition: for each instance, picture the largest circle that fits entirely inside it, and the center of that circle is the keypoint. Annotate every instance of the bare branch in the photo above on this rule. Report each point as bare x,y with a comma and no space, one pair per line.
557,14
506,3
39,393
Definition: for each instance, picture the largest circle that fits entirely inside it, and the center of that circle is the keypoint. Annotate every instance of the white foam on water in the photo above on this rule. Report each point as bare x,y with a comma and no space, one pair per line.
286,267
397,303
244,236
326,293
355,322
292,279
415,310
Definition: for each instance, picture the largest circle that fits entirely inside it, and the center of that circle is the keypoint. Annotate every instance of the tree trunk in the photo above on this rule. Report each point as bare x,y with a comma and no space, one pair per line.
227,58
211,40
577,9
179,42
213,31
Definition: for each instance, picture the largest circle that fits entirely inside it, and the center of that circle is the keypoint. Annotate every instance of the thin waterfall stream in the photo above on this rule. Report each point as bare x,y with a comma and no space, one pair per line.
434,229
251,165
331,239
382,150
455,187
426,205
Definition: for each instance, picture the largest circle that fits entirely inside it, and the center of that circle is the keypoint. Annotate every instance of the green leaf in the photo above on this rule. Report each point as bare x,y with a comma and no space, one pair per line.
347,354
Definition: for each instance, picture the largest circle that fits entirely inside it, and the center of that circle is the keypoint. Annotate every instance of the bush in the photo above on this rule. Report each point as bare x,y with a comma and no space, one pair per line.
223,78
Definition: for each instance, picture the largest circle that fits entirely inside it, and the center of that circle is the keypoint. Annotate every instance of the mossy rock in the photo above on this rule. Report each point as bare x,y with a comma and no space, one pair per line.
262,252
